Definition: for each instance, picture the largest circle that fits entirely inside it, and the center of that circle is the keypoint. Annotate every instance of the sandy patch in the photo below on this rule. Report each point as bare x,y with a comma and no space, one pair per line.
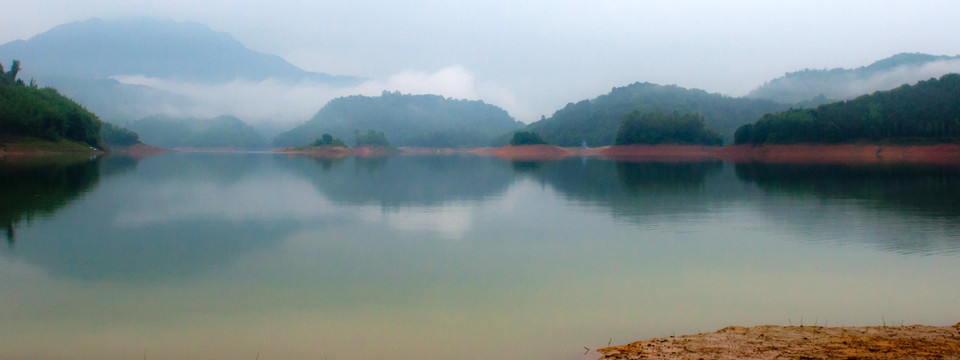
800,342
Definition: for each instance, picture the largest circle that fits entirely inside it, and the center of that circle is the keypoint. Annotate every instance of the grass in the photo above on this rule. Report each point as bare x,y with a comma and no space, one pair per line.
29,145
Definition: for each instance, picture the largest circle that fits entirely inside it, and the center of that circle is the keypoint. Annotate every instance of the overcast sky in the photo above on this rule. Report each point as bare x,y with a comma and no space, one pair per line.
532,57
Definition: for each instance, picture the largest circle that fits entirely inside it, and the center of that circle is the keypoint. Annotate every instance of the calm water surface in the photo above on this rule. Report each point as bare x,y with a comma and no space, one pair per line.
235,256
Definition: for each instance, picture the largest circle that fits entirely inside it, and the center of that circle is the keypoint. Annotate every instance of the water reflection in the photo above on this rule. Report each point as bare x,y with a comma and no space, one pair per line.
635,190
404,181
40,186
167,217
905,207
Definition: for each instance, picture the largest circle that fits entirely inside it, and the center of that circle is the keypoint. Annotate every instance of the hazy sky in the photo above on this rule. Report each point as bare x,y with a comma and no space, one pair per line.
532,57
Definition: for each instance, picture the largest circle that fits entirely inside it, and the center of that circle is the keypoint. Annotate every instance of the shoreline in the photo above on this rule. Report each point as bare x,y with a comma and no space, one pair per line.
800,153
799,342
948,153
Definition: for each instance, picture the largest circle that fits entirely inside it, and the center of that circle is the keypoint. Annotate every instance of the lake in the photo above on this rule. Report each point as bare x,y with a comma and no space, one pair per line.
265,256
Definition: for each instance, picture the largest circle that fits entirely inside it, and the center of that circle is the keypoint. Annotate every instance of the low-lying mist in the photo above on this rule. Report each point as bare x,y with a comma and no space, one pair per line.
273,105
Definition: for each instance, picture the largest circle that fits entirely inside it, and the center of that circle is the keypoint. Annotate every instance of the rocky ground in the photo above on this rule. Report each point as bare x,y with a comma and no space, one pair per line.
800,342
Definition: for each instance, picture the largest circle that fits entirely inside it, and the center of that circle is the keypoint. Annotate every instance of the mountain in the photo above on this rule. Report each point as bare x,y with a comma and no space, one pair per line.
117,102
926,112
166,49
224,131
406,120
814,87
595,122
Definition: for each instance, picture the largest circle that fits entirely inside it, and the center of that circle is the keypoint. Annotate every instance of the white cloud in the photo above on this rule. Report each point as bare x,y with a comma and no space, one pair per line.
280,102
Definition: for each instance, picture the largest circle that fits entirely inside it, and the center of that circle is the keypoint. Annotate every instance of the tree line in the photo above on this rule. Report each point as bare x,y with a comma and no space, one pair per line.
27,110
653,128
928,111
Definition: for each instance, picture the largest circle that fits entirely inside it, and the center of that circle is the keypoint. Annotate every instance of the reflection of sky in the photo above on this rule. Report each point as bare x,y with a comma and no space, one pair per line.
532,274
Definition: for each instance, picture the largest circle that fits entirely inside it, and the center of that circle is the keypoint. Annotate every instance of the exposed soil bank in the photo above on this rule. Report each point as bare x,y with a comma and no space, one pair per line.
532,152
807,153
942,153
331,152
800,342
661,152
810,153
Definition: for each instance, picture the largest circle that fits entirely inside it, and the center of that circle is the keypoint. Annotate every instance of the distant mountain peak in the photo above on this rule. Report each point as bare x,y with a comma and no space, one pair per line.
180,50
840,84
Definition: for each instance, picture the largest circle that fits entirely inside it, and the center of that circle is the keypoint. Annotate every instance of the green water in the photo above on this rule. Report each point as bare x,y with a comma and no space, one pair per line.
239,256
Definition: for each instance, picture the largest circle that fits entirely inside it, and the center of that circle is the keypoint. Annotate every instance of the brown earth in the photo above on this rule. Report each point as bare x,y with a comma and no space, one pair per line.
330,152
941,153
661,152
804,153
532,152
800,342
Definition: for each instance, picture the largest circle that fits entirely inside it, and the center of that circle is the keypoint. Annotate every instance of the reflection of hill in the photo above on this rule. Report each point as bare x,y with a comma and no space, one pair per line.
148,252
405,180
41,186
223,168
928,189
165,218
924,201
634,190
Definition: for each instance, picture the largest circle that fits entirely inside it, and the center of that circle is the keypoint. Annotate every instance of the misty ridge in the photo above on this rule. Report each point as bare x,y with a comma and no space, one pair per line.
129,70
815,87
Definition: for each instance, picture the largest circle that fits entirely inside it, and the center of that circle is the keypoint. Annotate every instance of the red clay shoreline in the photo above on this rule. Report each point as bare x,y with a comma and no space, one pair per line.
802,153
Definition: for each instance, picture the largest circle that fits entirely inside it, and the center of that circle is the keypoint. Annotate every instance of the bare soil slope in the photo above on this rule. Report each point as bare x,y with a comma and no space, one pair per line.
800,342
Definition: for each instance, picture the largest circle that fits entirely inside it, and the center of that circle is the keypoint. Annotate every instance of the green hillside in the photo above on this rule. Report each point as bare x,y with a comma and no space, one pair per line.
407,120
926,112
29,111
595,122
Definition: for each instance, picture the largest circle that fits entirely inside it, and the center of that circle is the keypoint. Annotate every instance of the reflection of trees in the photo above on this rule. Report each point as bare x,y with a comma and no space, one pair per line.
933,190
522,166
89,244
904,208
407,180
41,186
633,190
646,177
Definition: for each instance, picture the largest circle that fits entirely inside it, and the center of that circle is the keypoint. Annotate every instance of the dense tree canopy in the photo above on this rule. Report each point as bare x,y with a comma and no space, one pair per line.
928,111
371,138
652,128
116,135
411,120
526,138
596,121
328,140
43,113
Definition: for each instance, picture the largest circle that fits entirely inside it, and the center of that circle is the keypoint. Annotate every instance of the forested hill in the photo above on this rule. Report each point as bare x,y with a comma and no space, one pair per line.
220,132
29,111
406,120
596,121
926,112
841,84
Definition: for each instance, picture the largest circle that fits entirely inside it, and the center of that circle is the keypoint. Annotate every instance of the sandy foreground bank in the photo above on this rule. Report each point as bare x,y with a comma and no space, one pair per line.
800,342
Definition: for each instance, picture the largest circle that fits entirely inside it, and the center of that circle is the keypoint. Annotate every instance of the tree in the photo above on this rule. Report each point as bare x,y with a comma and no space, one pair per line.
371,138
521,138
652,128
928,111
328,140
